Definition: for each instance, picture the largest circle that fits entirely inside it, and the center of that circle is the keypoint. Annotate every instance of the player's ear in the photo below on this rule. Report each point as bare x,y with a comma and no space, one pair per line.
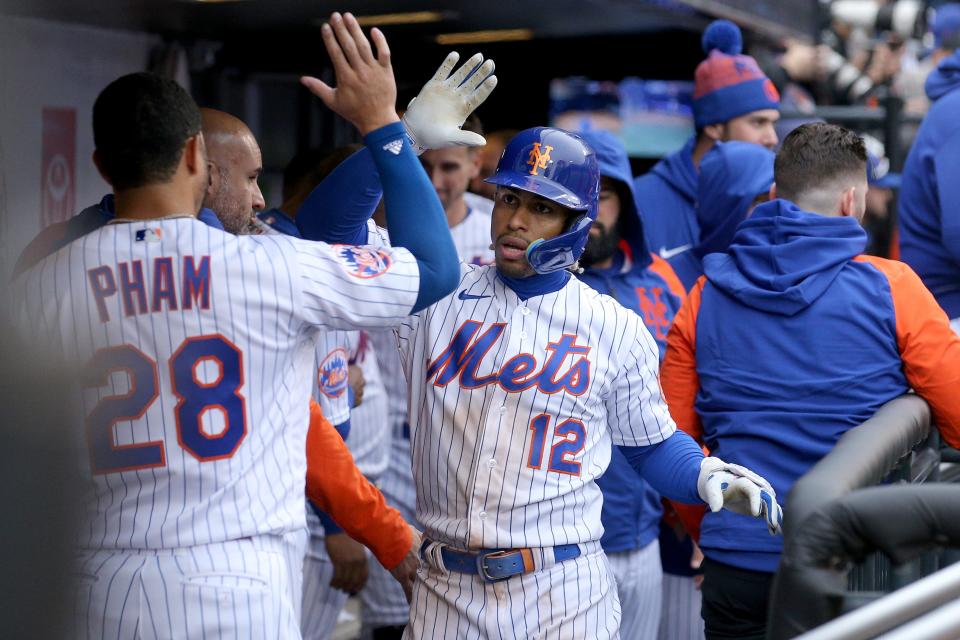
99,165
848,203
773,191
194,154
714,132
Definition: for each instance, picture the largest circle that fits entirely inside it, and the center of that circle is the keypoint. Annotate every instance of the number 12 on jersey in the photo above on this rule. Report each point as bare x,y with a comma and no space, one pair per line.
561,451
195,398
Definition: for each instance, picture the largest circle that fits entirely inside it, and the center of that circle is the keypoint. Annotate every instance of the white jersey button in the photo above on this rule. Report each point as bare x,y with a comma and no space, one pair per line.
482,515
523,335
503,409
492,463
525,311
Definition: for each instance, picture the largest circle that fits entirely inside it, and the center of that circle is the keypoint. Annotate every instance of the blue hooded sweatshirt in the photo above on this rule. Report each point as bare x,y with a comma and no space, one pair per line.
631,509
666,198
732,175
929,209
796,341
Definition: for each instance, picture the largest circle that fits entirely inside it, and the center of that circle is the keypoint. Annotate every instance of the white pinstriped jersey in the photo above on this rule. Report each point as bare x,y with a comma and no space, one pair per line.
198,348
514,405
472,236
370,432
478,203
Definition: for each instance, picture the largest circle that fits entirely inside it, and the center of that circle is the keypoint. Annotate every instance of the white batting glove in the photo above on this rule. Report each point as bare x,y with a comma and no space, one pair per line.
740,490
433,119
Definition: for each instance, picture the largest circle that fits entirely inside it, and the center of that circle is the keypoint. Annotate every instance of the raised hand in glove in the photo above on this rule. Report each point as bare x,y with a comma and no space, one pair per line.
740,490
433,119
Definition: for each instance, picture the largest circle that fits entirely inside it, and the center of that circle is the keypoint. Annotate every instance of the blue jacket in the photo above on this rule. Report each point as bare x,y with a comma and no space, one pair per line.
929,209
666,197
791,339
732,175
631,509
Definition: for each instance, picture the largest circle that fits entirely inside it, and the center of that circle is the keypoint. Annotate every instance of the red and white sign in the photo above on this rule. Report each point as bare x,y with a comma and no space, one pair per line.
58,177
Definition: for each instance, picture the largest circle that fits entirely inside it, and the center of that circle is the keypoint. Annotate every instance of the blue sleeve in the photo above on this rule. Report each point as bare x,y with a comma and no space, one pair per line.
671,467
329,526
338,208
415,217
343,429
948,187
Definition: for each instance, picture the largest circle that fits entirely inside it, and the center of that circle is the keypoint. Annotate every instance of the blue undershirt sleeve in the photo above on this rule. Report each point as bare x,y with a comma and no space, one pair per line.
415,217
338,208
343,429
672,467
329,526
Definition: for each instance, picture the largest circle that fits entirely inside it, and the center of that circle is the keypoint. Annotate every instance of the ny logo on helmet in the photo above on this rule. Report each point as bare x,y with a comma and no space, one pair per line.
539,157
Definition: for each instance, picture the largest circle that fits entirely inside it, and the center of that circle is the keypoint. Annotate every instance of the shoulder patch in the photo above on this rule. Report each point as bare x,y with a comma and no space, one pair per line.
363,262
332,373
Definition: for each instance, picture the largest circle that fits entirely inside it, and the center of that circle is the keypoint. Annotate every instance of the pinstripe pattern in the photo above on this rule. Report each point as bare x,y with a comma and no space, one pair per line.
640,589
321,603
471,446
382,600
575,599
236,589
681,619
268,295
370,435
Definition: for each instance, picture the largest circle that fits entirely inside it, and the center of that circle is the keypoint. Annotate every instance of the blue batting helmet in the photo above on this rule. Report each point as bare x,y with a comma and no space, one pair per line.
561,167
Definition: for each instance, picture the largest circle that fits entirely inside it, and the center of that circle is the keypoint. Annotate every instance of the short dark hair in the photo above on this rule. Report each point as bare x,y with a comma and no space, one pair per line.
815,153
141,122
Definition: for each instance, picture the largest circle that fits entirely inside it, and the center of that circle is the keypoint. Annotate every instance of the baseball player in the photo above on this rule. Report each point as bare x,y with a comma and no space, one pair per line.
732,100
519,382
195,446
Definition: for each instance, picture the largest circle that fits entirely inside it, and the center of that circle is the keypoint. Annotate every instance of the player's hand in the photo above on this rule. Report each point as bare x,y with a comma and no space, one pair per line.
740,490
349,561
433,118
406,572
357,382
696,559
366,91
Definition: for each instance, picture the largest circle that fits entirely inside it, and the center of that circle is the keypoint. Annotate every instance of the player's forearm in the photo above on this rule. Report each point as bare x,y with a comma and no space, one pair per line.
672,467
415,217
337,210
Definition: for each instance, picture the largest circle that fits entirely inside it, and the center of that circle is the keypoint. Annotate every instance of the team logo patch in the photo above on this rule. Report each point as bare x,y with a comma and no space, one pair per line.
149,235
363,262
394,147
332,374
539,157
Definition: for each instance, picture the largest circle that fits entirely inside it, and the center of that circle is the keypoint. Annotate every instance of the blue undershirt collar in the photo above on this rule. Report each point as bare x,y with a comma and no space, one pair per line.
536,285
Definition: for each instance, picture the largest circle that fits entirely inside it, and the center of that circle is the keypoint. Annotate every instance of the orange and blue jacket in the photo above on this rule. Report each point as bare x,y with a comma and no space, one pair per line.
791,338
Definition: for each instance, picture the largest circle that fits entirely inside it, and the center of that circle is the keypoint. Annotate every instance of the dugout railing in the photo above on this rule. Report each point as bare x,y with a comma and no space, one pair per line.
848,541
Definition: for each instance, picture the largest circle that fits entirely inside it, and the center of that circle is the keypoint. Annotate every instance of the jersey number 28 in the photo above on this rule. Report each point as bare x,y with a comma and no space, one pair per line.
195,398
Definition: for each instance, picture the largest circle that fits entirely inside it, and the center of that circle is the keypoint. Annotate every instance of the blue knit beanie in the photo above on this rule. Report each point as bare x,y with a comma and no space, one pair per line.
729,84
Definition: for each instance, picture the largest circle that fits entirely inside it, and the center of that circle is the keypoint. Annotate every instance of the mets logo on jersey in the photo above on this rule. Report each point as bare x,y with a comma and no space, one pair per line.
363,262
332,374
539,157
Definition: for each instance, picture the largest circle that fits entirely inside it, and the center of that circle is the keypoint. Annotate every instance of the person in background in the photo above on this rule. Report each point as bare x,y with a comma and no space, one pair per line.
734,178
732,100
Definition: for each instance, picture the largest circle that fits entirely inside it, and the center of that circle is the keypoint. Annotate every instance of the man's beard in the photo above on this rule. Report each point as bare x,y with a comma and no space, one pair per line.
601,247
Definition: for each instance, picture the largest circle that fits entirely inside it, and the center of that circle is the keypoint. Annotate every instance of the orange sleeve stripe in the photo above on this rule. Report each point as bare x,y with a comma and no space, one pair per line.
336,486
678,374
929,348
663,269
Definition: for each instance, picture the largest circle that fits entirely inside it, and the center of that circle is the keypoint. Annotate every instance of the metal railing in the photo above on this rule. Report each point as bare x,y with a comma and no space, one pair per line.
829,564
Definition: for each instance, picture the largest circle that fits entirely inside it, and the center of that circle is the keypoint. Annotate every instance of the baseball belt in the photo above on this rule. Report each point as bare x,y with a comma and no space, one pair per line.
494,565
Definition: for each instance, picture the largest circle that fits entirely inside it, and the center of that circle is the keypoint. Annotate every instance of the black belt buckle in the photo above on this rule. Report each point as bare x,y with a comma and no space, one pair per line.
484,570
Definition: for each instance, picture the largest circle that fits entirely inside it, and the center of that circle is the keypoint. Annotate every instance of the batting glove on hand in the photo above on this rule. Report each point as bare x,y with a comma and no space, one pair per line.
433,119
740,490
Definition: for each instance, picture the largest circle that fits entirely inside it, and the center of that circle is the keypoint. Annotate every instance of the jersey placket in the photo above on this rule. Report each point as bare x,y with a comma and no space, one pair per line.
499,430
